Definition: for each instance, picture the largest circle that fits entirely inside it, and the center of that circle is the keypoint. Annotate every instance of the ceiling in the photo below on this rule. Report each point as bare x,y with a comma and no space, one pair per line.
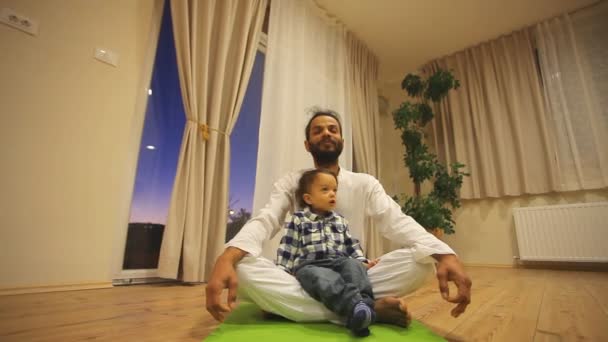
405,34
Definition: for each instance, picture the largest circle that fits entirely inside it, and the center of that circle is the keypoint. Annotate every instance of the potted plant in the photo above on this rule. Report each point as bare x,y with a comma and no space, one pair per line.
432,210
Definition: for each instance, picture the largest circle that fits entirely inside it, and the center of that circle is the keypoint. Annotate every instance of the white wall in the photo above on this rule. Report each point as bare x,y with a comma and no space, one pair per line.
485,230
68,124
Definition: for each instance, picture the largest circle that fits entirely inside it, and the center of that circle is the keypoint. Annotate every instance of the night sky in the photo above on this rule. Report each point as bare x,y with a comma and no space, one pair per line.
163,129
244,140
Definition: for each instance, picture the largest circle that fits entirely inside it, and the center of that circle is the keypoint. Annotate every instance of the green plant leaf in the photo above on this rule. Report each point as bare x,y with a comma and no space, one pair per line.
439,84
433,210
426,113
404,115
413,85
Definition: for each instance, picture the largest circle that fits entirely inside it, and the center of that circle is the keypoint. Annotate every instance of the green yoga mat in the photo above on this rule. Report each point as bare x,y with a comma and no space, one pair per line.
247,324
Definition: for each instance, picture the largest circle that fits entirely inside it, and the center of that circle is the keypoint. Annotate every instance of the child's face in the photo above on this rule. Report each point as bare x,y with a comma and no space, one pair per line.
322,193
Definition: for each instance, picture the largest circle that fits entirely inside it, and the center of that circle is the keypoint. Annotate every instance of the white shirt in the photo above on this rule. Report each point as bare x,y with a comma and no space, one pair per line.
359,196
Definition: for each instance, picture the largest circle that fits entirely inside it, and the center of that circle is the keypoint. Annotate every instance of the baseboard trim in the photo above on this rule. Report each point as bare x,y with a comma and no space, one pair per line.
564,266
9,291
466,264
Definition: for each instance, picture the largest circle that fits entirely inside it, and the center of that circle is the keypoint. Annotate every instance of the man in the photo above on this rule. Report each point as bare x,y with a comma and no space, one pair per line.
361,196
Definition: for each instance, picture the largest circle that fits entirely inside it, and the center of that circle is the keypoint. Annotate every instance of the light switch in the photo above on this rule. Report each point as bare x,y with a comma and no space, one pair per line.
18,21
106,56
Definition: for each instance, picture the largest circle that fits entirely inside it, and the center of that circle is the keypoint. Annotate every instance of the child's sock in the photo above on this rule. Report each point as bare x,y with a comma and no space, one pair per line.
362,317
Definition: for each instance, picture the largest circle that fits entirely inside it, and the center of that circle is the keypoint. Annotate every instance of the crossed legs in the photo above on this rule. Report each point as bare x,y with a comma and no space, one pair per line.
275,291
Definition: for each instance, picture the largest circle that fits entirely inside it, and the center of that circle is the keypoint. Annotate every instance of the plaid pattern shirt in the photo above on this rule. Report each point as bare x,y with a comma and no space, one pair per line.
313,237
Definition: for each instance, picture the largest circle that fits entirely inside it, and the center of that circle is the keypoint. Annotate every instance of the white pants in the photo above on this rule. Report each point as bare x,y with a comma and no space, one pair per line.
275,291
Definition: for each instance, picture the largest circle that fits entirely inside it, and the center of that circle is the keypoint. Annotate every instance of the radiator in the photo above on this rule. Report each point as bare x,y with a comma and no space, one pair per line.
572,232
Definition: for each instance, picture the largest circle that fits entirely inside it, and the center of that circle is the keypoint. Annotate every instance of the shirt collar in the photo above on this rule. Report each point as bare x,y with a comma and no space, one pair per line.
315,217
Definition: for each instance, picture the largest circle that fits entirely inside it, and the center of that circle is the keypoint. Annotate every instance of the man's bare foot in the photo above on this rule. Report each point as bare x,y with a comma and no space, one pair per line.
392,310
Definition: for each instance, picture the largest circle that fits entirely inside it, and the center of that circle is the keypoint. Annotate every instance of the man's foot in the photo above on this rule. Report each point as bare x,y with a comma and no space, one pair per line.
362,317
393,310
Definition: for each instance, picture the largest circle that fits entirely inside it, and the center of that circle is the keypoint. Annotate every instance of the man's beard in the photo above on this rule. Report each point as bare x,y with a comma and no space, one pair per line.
326,157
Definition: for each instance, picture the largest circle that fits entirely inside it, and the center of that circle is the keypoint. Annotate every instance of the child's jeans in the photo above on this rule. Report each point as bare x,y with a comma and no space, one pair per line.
338,283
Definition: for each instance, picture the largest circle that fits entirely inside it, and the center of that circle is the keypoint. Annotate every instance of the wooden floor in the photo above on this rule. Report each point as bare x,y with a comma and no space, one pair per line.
508,305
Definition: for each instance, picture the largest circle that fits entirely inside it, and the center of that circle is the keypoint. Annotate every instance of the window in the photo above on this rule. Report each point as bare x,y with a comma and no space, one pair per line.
158,156
244,151
159,153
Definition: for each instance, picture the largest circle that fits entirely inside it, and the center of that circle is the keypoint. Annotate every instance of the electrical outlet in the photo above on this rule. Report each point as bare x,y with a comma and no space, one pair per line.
18,21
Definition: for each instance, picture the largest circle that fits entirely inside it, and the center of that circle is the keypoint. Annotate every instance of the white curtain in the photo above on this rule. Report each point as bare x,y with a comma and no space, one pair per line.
305,67
216,42
573,53
362,93
495,123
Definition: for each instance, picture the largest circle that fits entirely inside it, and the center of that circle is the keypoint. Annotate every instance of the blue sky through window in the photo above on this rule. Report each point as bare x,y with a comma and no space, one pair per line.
244,140
162,134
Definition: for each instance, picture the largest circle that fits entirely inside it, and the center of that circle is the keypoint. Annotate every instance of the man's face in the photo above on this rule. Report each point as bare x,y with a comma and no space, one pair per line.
325,141
321,196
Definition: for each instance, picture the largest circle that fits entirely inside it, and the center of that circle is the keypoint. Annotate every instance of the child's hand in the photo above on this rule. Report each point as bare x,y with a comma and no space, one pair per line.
372,263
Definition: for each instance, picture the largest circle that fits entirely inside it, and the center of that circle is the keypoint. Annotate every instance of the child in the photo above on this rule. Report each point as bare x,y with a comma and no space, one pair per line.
319,250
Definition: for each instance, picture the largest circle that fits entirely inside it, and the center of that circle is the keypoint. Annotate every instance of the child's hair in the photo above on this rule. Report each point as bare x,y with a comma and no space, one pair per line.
306,181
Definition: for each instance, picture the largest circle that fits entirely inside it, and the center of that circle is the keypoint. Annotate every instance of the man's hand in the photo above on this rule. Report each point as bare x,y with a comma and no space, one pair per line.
223,276
449,268
371,263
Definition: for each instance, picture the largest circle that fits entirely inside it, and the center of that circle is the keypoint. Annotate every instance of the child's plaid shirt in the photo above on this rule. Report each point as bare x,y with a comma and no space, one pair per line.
310,236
